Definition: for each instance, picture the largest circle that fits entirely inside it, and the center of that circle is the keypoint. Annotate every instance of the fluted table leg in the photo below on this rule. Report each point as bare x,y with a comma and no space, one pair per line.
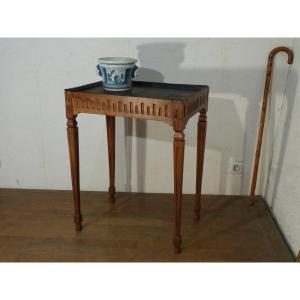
72,131
110,126
200,161
178,149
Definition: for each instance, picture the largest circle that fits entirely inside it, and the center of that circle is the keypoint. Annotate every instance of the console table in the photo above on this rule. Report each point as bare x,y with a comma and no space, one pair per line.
173,104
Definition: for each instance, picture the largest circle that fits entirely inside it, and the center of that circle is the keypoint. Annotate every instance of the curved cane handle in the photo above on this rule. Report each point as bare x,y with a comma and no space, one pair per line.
288,51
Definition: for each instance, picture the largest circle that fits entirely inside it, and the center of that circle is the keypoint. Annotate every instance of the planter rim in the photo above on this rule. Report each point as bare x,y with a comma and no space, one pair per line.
117,60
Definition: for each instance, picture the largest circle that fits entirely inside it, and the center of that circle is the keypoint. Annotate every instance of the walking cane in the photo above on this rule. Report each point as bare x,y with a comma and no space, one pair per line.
263,113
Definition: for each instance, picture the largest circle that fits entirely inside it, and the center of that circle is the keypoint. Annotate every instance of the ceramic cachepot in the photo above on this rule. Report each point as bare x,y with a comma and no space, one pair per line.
117,72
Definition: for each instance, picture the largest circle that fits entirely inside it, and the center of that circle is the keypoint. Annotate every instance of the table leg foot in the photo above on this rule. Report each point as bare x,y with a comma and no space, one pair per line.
111,194
197,209
177,243
77,221
251,201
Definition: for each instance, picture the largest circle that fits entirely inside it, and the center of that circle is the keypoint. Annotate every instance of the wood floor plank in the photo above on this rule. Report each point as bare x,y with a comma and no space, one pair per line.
37,226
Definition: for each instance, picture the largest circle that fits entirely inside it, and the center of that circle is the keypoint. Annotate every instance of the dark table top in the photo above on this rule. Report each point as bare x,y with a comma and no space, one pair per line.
143,89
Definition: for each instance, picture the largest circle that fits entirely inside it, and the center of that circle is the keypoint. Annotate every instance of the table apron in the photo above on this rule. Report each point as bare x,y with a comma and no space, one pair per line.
174,113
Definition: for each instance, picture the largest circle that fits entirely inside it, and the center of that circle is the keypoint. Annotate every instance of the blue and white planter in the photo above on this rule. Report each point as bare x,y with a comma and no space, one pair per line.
117,72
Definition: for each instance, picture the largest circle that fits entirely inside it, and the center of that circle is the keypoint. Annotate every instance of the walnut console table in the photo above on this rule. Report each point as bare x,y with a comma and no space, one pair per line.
173,104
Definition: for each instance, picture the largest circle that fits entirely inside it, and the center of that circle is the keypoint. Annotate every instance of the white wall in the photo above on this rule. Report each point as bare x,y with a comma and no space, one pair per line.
34,73
34,154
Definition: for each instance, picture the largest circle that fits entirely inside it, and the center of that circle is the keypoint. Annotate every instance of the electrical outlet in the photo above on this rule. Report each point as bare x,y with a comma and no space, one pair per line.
236,167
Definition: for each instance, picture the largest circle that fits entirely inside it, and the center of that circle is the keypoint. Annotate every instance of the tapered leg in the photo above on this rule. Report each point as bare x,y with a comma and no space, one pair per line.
178,149
200,160
74,162
110,126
